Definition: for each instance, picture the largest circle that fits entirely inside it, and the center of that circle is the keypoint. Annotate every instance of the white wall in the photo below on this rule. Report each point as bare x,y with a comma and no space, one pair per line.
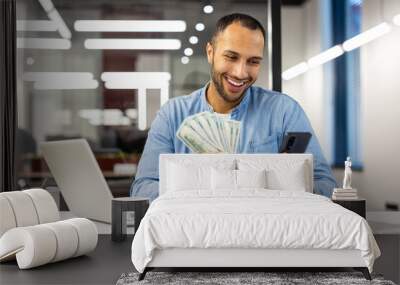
380,102
380,94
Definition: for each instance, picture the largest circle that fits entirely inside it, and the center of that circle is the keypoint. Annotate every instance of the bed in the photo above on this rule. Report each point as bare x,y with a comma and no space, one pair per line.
246,211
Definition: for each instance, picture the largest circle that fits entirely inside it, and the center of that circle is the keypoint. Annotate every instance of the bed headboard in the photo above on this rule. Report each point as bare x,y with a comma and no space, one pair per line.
204,159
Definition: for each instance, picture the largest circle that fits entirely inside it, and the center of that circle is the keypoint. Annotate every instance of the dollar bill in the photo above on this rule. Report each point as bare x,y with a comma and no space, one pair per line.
193,141
201,131
209,133
208,120
221,131
235,127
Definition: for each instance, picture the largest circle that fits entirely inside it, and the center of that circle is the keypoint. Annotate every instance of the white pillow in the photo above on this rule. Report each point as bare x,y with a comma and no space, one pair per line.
237,179
286,174
187,176
183,178
292,179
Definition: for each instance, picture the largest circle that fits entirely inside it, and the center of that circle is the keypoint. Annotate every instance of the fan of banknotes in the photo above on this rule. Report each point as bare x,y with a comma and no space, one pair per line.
208,132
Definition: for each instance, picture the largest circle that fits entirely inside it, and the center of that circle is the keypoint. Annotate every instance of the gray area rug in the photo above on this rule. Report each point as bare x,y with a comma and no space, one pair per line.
229,278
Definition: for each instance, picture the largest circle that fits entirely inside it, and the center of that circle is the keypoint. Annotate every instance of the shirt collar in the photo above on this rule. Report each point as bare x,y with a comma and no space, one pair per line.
235,111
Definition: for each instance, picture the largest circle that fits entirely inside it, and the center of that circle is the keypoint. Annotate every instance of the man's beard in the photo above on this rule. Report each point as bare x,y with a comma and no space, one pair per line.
217,80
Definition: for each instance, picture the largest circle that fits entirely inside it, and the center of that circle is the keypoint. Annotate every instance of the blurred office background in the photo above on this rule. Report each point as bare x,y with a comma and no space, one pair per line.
86,70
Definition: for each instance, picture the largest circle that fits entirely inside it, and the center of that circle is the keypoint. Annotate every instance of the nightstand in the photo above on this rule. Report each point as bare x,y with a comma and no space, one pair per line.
358,206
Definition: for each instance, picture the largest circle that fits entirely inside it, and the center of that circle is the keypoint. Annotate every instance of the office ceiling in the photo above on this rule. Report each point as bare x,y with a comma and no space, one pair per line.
122,9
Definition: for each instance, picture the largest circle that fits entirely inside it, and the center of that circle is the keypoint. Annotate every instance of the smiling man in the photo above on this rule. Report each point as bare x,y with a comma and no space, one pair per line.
234,53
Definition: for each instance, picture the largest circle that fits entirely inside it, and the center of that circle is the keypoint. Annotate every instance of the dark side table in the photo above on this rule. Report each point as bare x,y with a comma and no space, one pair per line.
358,206
127,211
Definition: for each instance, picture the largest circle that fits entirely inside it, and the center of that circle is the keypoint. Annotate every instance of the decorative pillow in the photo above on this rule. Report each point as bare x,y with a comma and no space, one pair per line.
251,178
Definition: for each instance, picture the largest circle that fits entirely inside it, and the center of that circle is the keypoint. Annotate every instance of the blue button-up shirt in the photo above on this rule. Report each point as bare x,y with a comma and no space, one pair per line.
265,115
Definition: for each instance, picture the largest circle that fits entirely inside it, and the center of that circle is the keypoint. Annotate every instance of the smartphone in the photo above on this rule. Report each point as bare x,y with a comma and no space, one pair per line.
295,142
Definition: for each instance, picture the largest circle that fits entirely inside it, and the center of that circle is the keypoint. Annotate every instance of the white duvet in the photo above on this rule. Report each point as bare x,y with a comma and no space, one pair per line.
250,219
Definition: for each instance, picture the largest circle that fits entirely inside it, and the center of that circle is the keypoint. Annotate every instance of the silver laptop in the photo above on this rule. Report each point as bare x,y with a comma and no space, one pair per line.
79,178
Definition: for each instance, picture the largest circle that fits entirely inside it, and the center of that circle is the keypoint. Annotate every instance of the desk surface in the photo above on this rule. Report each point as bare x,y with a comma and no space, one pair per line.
102,266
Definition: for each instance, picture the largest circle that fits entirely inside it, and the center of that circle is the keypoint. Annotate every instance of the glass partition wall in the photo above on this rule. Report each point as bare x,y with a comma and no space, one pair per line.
100,70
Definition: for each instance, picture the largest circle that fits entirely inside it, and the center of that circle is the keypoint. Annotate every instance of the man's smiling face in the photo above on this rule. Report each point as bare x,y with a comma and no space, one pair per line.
235,58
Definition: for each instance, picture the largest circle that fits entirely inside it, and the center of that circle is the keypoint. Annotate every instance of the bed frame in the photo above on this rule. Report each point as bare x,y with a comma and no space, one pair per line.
242,259
249,259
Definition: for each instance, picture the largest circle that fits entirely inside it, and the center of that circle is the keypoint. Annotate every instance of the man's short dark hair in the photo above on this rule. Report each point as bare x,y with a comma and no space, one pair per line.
244,20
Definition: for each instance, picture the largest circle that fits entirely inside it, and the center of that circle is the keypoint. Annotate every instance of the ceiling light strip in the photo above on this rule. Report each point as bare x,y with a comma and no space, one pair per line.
136,80
133,44
338,50
325,56
295,71
129,26
366,37
136,76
